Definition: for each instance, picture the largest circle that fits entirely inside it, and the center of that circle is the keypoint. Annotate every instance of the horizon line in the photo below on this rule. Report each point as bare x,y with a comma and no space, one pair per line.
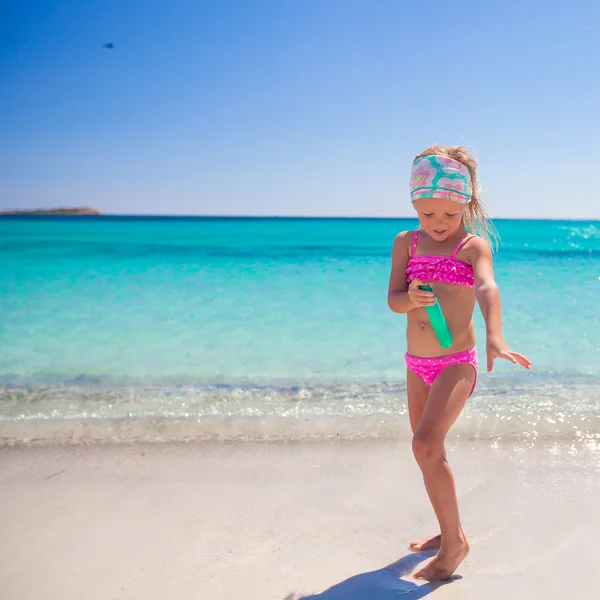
246,216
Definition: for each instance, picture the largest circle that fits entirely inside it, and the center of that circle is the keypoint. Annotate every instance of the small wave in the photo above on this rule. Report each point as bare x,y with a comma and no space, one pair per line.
89,413
571,250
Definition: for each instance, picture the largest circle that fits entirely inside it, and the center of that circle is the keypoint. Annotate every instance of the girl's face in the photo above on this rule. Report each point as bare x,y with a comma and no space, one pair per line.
440,218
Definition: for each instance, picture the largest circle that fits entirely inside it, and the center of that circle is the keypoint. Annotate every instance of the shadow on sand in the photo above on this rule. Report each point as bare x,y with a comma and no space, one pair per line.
383,584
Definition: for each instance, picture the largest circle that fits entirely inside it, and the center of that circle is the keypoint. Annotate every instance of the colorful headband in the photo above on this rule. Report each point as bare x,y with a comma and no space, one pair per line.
440,177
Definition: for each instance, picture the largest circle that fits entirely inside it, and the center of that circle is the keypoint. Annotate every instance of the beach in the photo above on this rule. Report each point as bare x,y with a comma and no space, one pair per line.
210,213
328,520
216,409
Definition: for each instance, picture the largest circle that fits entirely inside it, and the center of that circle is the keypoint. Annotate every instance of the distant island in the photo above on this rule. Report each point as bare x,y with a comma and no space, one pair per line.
81,210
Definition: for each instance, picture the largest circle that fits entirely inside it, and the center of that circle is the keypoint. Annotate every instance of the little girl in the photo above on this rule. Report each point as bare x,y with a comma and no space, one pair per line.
452,253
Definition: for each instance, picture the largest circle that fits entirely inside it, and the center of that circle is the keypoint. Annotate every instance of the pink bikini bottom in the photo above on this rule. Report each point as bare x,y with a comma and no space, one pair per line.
429,368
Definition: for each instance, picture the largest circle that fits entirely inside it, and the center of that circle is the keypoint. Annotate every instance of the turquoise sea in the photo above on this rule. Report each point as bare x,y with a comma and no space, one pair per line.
140,327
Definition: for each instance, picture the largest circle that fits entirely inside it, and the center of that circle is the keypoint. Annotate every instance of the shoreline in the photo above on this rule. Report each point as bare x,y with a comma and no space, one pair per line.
517,428
287,520
95,413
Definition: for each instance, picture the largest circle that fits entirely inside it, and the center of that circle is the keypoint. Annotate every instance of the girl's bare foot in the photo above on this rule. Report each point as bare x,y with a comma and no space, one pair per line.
427,544
445,562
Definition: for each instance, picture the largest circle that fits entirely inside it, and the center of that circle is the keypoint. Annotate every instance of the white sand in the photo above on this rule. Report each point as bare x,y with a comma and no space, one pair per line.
267,521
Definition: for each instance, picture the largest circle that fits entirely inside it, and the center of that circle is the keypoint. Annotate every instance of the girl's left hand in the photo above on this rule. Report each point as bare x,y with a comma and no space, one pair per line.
498,348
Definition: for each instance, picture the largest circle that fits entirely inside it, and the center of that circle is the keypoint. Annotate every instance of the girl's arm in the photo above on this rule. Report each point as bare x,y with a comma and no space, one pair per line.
399,298
488,297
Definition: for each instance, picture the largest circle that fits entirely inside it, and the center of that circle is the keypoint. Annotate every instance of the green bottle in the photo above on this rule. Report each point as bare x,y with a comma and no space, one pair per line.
438,322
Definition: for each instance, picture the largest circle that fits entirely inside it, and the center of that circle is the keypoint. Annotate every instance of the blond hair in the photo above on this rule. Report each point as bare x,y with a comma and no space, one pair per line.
475,218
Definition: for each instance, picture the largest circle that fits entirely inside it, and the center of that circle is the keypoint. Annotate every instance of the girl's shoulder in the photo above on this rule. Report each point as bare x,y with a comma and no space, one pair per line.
405,235
403,239
476,241
475,247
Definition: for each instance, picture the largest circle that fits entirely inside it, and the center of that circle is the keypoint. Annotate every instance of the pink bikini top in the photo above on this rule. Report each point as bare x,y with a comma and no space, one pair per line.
443,269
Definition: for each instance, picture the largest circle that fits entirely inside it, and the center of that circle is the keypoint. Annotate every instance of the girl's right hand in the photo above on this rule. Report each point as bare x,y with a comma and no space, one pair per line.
420,297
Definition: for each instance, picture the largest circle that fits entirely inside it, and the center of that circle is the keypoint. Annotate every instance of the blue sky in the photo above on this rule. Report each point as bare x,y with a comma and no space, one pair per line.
296,107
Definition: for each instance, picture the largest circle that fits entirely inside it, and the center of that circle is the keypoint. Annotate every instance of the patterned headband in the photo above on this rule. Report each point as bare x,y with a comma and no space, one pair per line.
440,177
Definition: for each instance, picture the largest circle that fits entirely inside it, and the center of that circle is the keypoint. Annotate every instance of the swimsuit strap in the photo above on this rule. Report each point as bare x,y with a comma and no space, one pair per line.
414,242
461,244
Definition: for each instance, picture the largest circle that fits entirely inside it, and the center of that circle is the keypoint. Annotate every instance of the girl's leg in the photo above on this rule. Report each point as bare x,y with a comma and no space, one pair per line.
418,391
447,397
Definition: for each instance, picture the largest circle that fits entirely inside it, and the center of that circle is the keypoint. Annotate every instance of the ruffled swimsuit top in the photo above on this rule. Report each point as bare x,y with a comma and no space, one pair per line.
442,269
